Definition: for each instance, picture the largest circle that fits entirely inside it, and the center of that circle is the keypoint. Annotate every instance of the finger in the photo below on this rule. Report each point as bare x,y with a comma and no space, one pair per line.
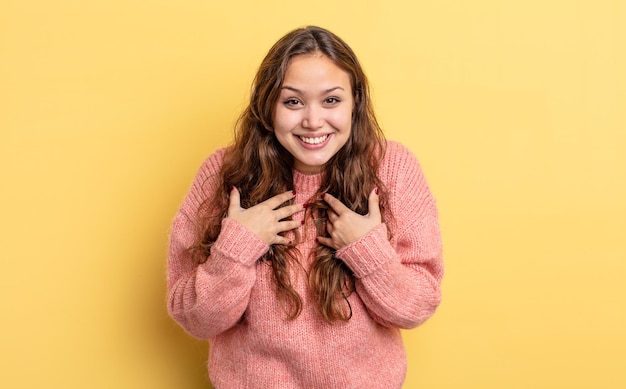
335,204
373,204
289,210
234,203
326,241
288,225
332,216
330,229
277,200
281,240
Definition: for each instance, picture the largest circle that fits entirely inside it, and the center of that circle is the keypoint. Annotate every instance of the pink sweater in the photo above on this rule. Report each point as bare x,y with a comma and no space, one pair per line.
230,299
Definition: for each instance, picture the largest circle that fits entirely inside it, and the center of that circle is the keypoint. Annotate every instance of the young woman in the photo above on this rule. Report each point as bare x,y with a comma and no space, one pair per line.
303,248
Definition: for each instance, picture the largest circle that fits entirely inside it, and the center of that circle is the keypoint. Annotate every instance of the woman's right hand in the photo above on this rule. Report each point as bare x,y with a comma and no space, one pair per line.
264,219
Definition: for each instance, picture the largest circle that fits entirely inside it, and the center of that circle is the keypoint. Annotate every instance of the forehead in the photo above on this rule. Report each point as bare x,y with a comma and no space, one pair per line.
315,69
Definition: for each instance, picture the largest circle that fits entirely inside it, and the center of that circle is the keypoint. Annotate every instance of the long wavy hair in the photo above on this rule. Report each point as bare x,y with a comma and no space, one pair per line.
259,166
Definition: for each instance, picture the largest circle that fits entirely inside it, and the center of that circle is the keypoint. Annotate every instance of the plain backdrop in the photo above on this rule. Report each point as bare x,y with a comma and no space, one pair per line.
516,110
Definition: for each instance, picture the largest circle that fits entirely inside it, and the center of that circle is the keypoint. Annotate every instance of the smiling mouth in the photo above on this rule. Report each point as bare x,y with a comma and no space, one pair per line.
314,141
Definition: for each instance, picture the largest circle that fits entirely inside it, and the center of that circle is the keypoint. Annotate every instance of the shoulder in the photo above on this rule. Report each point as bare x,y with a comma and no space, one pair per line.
399,165
207,180
213,163
408,190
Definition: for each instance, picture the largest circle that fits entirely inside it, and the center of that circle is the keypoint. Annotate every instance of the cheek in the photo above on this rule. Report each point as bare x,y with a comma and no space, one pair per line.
342,119
285,119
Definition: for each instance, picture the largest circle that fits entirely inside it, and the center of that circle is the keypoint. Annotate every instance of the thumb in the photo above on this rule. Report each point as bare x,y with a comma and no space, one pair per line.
234,202
373,204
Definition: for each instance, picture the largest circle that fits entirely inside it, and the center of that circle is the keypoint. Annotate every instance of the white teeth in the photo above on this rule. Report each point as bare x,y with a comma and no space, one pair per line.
313,141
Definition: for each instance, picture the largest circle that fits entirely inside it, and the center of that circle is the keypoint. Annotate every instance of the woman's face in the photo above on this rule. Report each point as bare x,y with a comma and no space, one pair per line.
313,115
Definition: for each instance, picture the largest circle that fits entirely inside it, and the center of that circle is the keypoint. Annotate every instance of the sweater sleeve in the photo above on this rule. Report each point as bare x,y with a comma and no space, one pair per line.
399,280
209,298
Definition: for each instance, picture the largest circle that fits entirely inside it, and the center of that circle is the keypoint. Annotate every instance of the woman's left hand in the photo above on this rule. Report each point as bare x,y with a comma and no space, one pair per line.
346,226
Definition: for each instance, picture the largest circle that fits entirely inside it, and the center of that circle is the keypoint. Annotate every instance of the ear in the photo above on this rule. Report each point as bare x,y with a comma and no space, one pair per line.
358,94
356,100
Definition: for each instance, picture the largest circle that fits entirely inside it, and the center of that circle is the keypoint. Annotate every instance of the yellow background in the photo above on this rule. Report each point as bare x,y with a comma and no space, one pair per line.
516,110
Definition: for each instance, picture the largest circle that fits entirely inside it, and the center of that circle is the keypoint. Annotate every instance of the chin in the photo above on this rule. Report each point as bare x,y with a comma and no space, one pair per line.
318,164
311,167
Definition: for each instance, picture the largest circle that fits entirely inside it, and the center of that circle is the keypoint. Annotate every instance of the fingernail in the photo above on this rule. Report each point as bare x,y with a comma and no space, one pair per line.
305,205
293,192
231,188
323,195
376,191
302,222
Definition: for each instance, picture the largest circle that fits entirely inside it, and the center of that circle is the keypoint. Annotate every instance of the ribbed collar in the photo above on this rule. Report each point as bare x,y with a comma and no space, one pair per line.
306,183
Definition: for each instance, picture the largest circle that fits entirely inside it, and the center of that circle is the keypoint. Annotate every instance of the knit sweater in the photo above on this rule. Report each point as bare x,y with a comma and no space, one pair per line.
231,301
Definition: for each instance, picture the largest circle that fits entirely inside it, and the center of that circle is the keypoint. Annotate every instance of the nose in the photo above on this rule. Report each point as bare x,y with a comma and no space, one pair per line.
313,118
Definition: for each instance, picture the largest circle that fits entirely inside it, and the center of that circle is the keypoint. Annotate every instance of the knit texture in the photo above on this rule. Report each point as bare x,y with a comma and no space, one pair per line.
231,301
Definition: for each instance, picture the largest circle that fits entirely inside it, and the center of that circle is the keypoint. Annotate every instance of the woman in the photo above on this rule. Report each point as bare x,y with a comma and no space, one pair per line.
303,248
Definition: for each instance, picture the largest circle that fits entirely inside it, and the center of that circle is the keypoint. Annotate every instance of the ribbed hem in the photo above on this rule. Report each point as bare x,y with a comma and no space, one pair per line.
369,253
239,243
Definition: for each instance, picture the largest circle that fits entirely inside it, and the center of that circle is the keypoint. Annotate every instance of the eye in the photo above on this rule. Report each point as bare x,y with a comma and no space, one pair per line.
291,102
332,101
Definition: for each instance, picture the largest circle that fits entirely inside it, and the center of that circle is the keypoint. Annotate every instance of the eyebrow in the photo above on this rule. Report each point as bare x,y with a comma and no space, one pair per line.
291,88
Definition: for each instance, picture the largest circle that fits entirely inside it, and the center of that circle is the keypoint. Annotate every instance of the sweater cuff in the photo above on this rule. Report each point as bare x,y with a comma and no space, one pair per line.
369,253
239,244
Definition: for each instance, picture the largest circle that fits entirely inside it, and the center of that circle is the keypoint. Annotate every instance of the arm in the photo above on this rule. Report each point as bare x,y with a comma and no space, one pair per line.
399,281
209,298
400,287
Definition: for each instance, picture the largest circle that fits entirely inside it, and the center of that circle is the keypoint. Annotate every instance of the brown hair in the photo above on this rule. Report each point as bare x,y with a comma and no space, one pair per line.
259,166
